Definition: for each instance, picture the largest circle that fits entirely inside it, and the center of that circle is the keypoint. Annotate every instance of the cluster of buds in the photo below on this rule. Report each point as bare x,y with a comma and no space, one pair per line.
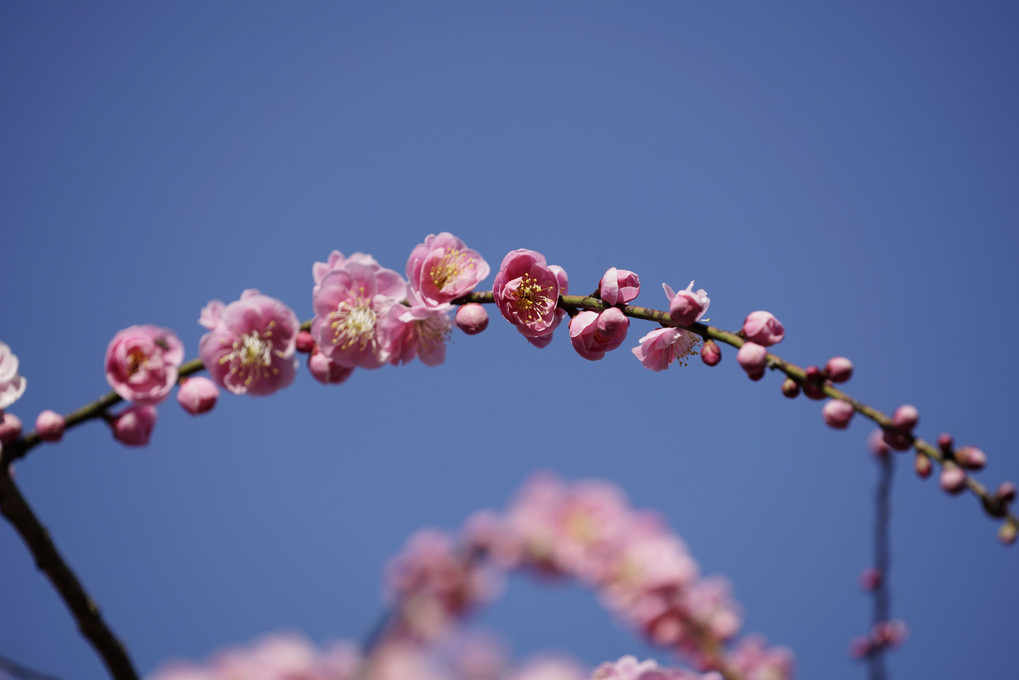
883,635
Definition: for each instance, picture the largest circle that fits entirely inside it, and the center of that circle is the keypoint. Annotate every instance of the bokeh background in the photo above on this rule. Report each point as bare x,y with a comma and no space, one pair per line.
851,167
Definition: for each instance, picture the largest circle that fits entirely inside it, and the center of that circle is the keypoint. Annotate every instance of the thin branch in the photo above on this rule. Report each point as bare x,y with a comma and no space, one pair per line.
48,560
882,560
12,669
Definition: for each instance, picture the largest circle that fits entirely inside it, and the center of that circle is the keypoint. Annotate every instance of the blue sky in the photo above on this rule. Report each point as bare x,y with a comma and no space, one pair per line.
850,167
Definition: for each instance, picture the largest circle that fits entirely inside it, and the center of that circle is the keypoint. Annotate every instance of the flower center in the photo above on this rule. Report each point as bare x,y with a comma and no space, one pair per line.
251,356
531,298
685,347
354,325
135,360
447,269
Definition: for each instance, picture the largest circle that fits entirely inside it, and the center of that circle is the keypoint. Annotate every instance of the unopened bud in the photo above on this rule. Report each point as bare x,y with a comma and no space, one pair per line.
870,578
905,418
813,373
888,633
10,429
305,342
753,358
763,328
49,425
1007,533
923,465
953,479
197,395
472,318
839,369
133,426
898,440
837,413
876,444
790,388
325,370
859,647
971,457
710,353
1006,492
945,443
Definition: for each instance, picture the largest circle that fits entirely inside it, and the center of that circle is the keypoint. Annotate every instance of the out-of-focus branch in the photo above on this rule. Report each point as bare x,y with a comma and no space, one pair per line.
12,669
47,558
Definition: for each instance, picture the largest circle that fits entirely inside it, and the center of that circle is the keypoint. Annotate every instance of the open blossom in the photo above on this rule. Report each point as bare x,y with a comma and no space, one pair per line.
618,286
629,668
687,306
12,385
142,362
443,268
594,333
250,349
349,304
336,260
527,292
661,346
416,330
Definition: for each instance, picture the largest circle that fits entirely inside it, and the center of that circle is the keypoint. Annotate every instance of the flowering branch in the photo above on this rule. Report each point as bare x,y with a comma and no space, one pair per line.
48,559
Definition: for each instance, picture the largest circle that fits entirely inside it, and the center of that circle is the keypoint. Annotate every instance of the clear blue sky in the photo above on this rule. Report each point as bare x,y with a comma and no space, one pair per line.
852,167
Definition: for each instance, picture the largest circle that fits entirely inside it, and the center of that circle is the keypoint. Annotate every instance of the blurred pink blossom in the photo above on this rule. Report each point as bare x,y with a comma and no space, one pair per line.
325,370
251,348
141,363
49,425
197,394
133,426
12,385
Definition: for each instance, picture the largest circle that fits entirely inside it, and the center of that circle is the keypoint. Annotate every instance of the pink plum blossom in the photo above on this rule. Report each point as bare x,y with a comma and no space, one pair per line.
661,346
763,328
141,363
250,350
687,306
10,429
971,458
133,426
417,330
337,260
594,333
12,385
629,668
443,268
754,660
527,292
839,369
327,371
753,358
197,394
618,286
953,479
349,304
472,318
49,425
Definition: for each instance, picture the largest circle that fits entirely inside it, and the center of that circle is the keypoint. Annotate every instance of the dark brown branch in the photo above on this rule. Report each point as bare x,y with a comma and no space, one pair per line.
48,560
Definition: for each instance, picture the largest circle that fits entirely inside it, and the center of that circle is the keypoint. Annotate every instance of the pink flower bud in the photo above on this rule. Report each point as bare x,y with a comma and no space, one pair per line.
710,353
304,342
839,369
837,413
197,395
593,334
618,286
327,371
905,418
870,578
898,440
945,443
790,388
859,647
888,633
1007,533
10,429
472,318
814,391
687,306
971,458
923,465
1006,492
49,425
953,479
763,328
133,426
753,358
876,444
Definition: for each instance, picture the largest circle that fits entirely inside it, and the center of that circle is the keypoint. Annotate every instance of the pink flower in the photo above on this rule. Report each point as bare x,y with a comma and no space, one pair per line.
527,291
658,348
349,304
416,330
953,479
49,425
687,306
837,413
628,668
325,370
443,268
618,286
141,363
753,660
12,385
839,369
753,358
336,260
472,318
250,350
763,328
197,395
593,334
710,353
133,426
